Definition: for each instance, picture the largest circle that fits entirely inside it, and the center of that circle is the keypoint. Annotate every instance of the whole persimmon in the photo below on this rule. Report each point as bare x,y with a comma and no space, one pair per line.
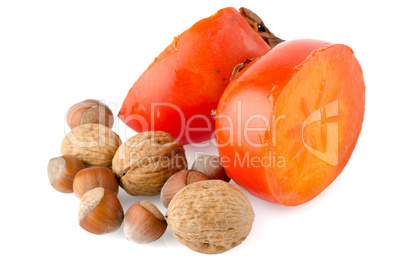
179,89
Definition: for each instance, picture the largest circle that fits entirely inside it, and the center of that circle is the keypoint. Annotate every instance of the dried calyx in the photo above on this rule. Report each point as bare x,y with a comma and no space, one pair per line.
258,25
239,67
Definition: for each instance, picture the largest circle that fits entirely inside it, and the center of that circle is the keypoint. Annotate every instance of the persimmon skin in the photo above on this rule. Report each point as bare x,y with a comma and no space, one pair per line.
180,88
281,90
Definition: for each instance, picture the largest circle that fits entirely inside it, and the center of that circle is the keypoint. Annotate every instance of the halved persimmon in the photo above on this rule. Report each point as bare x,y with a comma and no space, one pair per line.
288,123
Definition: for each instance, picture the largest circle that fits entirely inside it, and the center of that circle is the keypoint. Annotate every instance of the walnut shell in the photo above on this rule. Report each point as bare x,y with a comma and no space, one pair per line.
210,217
144,162
93,144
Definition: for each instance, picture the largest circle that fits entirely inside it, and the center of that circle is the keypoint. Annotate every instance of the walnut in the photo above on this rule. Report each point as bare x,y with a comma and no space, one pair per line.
144,162
93,144
210,216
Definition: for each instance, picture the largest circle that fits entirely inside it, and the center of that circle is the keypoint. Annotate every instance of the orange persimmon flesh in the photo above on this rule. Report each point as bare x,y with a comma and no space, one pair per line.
288,123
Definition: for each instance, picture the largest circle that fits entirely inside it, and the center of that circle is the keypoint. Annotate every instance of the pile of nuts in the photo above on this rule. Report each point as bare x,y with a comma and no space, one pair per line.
204,211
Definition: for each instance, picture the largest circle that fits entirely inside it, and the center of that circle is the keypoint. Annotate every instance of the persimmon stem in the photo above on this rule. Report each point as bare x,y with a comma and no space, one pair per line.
258,25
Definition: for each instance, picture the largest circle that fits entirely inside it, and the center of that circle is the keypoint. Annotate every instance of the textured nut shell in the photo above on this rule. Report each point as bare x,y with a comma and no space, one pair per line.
144,162
93,144
210,217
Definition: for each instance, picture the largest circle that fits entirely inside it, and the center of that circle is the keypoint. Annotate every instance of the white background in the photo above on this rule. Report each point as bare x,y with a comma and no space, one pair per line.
56,53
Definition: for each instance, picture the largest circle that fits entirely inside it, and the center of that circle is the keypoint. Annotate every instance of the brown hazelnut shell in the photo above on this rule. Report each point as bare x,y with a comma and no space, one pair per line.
93,177
144,223
178,181
100,211
89,111
211,166
62,170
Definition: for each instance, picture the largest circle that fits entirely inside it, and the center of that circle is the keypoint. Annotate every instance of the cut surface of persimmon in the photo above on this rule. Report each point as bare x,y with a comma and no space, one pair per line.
288,123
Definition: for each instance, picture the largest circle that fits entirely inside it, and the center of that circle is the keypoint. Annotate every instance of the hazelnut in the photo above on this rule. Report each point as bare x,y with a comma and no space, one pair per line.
210,217
144,223
144,162
211,166
89,178
178,181
89,111
61,172
100,211
93,144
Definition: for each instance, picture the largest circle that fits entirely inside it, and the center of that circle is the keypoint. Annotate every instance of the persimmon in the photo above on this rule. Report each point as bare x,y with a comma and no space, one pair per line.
287,124
179,89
